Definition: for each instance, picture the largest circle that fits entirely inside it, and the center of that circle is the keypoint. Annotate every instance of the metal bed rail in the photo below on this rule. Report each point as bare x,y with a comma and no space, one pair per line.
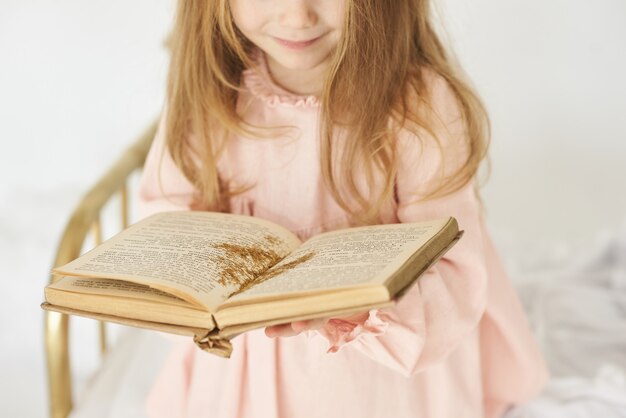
86,219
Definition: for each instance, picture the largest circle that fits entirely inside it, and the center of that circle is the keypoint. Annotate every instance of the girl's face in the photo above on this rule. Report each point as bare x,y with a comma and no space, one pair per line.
294,34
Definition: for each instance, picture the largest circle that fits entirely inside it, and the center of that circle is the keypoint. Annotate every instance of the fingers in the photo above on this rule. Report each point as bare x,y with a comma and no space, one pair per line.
294,328
283,330
309,324
299,326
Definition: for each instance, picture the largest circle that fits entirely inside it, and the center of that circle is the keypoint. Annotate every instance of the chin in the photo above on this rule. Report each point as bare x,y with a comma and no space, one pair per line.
300,63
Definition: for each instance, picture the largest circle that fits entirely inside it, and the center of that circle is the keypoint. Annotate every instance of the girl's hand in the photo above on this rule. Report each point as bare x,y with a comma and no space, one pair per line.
294,328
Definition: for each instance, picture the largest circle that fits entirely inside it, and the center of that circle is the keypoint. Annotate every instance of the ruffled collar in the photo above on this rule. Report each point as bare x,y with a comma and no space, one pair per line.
259,82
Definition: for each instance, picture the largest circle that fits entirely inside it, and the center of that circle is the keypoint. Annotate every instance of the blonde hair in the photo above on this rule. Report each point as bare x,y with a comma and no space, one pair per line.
396,38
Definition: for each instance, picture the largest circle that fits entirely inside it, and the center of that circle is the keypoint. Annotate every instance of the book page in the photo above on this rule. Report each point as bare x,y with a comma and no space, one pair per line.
201,257
344,258
119,288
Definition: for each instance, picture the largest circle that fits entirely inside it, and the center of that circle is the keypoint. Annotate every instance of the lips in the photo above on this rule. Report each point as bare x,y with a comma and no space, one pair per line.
296,44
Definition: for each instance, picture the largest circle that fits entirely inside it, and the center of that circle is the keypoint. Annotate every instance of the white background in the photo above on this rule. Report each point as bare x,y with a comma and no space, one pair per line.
79,80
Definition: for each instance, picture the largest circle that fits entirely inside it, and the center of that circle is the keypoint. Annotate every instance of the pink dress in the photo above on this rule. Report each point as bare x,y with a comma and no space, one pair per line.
456,345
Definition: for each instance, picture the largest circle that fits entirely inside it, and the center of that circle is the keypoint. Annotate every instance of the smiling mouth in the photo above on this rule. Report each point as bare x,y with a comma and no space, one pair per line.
296,44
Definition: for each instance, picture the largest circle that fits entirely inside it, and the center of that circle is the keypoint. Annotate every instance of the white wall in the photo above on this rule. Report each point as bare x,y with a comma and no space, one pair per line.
78,80
552,75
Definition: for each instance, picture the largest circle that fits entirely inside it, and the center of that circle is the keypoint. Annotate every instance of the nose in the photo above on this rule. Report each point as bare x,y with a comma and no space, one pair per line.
297,14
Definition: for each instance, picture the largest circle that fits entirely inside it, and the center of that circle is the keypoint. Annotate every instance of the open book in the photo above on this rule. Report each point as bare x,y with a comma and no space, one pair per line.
215,275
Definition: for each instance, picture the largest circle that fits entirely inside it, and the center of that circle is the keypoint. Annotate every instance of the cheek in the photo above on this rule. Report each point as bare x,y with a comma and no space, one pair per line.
246,16
334,13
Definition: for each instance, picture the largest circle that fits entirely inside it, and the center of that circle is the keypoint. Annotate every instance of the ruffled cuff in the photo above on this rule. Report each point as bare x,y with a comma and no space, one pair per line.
341,331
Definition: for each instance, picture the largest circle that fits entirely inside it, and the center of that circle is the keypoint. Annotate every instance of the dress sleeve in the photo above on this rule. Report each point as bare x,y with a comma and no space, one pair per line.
446,303
162,186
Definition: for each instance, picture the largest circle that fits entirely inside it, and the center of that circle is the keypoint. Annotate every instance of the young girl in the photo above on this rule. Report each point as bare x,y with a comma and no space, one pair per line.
318,115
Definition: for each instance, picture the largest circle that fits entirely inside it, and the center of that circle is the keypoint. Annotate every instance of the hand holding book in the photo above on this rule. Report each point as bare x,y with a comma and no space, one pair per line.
294,328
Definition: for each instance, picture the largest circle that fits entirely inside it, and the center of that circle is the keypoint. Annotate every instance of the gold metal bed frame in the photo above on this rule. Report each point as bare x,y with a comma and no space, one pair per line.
86,219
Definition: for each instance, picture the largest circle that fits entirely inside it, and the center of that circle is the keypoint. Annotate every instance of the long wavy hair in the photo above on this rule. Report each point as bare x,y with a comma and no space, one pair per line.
396,38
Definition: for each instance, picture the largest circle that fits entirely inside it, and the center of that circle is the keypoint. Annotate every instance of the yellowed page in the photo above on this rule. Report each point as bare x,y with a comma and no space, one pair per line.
133,309
112,287
198,256
363,256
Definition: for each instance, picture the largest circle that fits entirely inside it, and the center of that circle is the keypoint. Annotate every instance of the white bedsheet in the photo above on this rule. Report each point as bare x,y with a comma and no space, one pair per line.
602,396
576,302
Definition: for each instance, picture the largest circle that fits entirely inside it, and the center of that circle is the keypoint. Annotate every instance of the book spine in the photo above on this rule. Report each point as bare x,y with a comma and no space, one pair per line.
211,342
